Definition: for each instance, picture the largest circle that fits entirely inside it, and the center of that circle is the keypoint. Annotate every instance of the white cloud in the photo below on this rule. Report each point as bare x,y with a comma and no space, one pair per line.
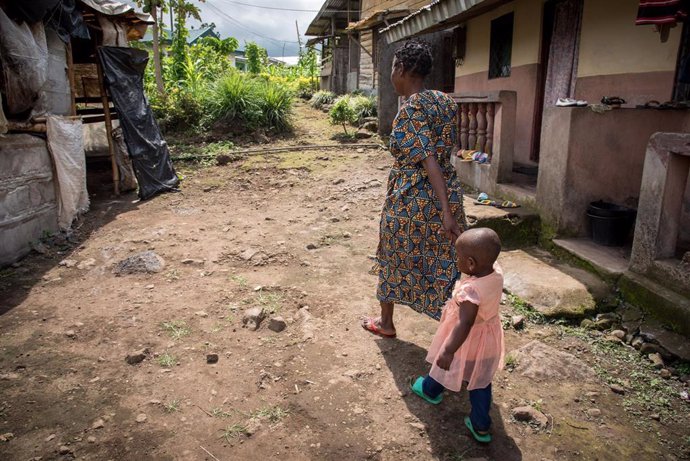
276,27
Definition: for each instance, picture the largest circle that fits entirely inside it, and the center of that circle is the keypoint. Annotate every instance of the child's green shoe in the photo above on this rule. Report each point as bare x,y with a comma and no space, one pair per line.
483,438
417,388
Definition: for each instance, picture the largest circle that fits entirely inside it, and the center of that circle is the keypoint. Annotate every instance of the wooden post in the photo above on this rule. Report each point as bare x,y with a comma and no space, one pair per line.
108,124
70,77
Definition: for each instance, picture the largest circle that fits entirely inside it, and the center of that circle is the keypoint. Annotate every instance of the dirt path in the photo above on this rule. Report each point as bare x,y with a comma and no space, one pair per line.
237,237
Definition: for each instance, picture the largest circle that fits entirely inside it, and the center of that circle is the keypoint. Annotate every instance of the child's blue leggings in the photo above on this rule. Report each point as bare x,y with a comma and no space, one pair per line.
480,399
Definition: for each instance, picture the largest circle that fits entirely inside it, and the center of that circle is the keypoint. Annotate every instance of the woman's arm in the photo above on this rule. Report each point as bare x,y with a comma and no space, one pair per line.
438,184
466,318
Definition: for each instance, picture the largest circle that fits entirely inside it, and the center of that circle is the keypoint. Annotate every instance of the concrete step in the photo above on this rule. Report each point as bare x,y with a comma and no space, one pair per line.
667,306
517,227
554,288
609,262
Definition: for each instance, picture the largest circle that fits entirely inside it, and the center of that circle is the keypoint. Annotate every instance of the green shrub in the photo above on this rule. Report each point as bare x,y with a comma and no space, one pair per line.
321,98
343,113
235,98
275,103
252,102
364,106
182,110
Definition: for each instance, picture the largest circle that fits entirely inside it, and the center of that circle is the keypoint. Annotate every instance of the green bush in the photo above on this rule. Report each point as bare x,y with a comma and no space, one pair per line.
321,98
343,113
253,102
275,103
364,106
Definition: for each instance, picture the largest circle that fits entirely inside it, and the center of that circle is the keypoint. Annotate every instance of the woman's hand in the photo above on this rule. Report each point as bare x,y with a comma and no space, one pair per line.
450,228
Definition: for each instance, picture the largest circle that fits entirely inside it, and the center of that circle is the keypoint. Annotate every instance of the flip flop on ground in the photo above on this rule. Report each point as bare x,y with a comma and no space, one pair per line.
369,324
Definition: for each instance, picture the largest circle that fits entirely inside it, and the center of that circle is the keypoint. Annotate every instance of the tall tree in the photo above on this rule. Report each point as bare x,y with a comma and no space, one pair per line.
183,10
151,7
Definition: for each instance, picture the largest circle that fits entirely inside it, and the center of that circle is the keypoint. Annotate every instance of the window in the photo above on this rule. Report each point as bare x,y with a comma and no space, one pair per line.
501,46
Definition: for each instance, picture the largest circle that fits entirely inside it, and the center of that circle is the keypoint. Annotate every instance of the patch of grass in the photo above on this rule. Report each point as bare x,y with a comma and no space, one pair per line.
172,406
511,362
645,390
233,432
522,307
217,328
219,413
172,275
167,360
538,405
270,301
176,328
272,414
238,279
683,368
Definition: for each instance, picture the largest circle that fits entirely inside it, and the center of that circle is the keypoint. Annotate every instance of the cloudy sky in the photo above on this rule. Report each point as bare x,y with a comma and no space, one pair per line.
254,20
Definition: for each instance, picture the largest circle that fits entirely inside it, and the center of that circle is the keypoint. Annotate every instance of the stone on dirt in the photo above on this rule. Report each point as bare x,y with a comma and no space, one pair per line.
253,317
617,389
98,424
370,126
146,262
528,414
657,360
277,324
67,263
651,348
211,358
665,373
620,334
137,356
86,264
70,334
676,344
363,134
594,412
64,450
312,246
6,437
419,426
91,439
539,361
141,418
518,321
637,342
549,290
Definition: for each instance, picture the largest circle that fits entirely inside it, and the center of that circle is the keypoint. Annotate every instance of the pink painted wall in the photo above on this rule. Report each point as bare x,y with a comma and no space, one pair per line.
523,80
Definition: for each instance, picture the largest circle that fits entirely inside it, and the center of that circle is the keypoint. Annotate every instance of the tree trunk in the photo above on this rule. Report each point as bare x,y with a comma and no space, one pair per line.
156,54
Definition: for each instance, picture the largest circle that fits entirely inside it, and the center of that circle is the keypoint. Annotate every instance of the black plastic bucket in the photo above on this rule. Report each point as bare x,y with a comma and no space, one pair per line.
610,224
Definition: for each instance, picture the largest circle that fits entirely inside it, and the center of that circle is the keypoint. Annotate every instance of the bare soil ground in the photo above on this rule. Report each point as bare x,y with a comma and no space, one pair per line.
236,237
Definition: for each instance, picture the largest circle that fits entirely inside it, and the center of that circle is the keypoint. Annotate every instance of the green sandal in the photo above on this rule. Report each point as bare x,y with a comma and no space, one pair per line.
482,438
417,389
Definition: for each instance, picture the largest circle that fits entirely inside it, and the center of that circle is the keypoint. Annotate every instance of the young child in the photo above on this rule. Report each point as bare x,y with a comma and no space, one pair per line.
468,345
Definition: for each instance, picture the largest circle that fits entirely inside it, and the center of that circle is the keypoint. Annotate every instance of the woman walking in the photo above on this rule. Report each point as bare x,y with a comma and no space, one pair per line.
423,213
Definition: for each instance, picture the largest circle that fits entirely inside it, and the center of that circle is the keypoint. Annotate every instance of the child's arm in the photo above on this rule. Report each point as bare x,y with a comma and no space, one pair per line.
466,318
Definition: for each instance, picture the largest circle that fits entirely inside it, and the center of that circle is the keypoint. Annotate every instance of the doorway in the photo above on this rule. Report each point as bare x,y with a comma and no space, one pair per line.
560,46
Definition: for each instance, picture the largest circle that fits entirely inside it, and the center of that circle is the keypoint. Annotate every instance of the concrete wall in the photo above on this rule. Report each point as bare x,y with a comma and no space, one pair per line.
585,158
618,58
367,72
472,74
28,205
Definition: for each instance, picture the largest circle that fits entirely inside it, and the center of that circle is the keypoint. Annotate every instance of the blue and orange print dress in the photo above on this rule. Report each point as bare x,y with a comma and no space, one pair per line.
416,264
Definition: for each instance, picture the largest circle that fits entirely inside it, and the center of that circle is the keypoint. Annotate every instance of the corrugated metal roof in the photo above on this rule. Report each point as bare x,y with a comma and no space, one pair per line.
333,9
377,17
428,17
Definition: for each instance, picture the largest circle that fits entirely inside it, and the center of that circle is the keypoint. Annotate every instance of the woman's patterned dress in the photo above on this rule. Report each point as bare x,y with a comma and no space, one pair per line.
416,264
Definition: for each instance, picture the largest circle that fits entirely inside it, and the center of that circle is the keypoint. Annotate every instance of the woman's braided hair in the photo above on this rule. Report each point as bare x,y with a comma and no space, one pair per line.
415,57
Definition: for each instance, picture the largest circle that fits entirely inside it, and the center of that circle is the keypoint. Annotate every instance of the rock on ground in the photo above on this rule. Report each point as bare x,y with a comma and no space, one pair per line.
253,317
542,362
141,263
136,357
530,415
277,324
547,289
674,343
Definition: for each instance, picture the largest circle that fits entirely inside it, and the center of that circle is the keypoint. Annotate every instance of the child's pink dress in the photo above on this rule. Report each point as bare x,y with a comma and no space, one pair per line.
481,354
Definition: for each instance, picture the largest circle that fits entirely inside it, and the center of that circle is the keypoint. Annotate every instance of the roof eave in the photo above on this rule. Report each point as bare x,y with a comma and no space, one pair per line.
438,15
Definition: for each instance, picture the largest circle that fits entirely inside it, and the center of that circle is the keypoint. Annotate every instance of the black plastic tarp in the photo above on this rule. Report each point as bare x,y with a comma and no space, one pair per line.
68,21
123,69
